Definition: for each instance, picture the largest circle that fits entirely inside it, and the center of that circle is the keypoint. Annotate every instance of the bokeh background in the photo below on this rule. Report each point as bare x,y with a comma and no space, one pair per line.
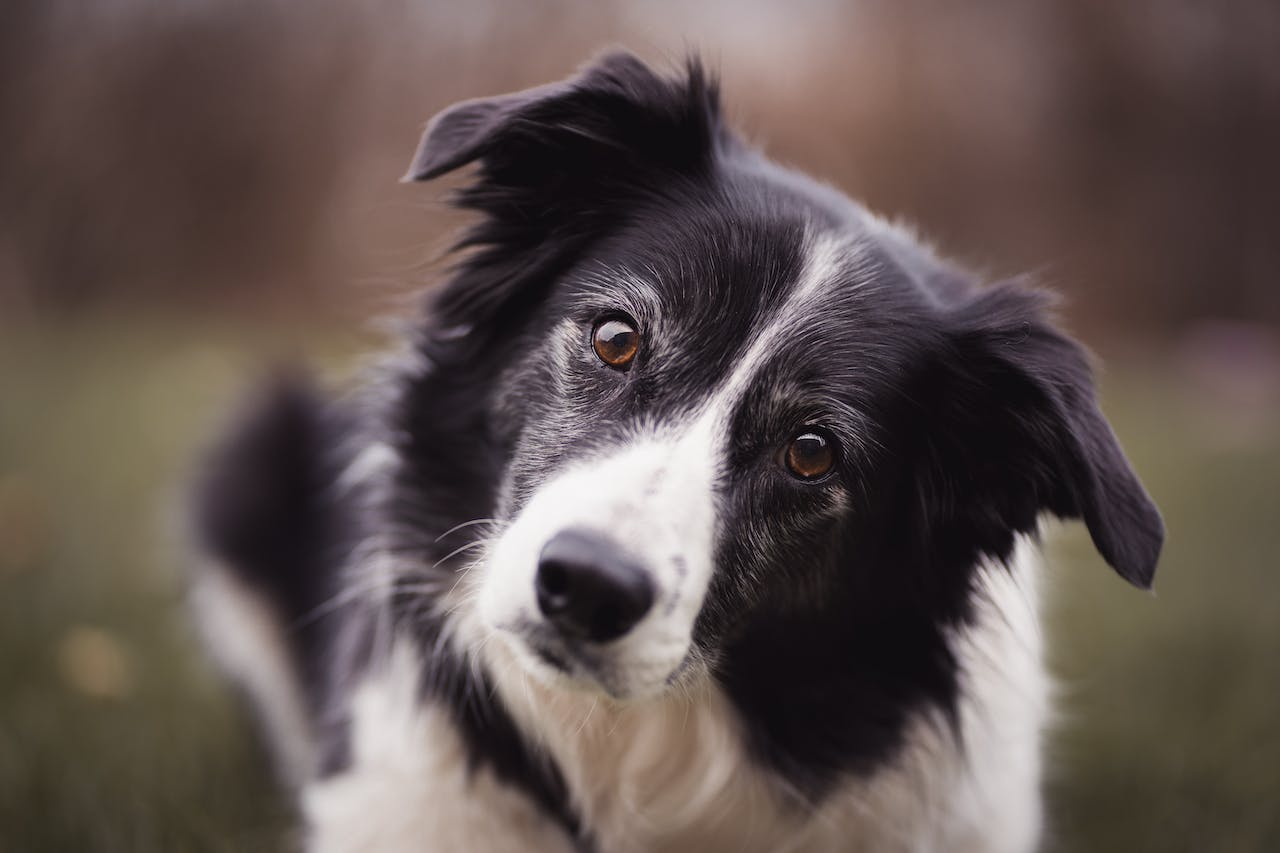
193,191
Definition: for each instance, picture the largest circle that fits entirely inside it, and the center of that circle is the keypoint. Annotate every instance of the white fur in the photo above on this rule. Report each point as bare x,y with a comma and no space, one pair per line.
672,773
408,787
245,637
654,500
826,256
375,460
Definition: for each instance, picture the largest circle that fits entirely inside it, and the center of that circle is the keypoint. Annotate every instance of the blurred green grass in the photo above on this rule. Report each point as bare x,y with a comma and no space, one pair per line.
115,735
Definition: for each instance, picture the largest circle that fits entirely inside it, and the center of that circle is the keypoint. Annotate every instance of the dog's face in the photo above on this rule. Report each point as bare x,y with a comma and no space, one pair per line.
685,391
728,411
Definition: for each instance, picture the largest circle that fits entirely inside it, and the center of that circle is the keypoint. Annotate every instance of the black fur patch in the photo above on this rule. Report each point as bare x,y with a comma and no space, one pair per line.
264,509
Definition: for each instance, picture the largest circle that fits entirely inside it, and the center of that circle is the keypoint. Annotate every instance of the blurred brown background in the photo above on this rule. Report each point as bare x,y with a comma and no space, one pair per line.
189,190
232,151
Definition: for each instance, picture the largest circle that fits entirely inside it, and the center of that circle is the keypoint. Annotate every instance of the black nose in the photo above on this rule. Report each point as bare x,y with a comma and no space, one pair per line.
588,589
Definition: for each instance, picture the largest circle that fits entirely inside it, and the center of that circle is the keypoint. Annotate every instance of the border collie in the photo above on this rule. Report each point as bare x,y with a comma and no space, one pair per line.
697,512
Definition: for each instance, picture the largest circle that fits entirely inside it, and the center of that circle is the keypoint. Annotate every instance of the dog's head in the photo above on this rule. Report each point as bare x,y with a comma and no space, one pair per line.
722,409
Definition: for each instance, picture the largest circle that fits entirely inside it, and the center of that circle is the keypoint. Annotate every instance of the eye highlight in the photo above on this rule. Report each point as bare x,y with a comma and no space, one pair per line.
616,341
810,455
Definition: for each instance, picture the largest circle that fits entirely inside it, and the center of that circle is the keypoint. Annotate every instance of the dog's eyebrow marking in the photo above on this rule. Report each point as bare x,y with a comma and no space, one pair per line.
621,286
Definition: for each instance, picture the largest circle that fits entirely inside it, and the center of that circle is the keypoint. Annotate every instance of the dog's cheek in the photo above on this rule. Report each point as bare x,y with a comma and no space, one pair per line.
778,553
505,588
529,389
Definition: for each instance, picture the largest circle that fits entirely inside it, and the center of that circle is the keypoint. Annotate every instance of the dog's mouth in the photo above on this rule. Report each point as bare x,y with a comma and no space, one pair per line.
550,658
564,662
582,667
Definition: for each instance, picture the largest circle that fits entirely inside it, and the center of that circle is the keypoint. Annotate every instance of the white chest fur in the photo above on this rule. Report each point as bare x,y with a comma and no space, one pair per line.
672,774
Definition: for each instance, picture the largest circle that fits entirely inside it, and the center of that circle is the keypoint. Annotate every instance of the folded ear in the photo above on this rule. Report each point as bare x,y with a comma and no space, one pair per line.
559,166
459,135
1020,422
616,105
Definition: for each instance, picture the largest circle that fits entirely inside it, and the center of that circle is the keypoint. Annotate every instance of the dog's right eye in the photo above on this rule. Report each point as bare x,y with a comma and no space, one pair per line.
810,455
616,342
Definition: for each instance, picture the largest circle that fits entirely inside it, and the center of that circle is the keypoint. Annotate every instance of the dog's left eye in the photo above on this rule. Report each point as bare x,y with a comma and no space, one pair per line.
616,341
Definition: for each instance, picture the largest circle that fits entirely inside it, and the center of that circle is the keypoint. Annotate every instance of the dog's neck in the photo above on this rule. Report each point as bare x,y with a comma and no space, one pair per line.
649,774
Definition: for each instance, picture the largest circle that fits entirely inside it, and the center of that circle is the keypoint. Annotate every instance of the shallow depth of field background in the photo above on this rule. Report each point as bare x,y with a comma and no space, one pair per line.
191,192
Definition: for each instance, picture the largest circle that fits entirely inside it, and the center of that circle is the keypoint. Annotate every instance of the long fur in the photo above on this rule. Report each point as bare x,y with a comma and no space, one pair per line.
850,663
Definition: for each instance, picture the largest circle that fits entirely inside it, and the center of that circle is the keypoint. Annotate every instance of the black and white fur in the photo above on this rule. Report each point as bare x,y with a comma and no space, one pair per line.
847,664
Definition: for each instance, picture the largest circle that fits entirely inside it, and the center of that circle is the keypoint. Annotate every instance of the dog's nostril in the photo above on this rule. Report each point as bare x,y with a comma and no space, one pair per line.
588,589
552,580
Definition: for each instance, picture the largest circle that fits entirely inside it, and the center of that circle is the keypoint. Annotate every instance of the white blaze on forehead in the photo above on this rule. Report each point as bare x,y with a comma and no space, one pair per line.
825,257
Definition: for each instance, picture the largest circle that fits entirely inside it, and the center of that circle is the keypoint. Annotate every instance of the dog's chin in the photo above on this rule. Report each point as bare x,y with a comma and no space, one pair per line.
562,669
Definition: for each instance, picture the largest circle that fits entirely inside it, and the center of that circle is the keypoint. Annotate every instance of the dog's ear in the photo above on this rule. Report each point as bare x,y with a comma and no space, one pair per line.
1018,431
559,165
617,107
460,134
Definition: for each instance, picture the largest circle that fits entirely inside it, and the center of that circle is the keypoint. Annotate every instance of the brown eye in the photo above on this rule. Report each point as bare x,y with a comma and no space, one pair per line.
616,342
810,455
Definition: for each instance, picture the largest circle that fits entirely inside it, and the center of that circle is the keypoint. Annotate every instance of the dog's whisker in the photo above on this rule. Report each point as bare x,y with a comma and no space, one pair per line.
462,575
594,702
456,551
470,523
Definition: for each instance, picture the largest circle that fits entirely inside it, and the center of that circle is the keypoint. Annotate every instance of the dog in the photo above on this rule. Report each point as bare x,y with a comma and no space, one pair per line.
699,510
